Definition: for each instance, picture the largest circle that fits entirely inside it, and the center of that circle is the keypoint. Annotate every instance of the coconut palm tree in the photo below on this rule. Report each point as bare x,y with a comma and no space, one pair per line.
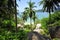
30,12
50,6
16,15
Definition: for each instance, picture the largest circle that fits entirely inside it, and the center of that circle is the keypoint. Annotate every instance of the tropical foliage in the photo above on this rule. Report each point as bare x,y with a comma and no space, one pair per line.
29,13
55,22
50,5
9,19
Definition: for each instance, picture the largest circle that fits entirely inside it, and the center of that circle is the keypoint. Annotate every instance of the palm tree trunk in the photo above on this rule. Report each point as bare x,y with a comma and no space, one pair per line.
49,18
34,21
49,23
31,24
34,24
16,15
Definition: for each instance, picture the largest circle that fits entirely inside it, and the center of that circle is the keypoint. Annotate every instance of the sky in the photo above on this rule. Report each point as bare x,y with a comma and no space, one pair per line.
24,3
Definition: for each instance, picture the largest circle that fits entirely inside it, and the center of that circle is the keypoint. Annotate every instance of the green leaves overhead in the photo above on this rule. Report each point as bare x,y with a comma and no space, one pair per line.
50,5
31,4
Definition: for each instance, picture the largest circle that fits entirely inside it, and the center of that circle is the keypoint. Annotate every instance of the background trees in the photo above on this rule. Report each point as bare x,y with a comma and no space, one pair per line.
50,6
55,19
30,12
7,12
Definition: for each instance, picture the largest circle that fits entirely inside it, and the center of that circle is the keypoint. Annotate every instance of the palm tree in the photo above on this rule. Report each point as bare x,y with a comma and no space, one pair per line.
11,9
32,12
29,12
50,6
16,15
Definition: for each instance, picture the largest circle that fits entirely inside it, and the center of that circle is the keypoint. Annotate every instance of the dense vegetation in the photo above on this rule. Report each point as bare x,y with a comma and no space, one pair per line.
9,19
52,27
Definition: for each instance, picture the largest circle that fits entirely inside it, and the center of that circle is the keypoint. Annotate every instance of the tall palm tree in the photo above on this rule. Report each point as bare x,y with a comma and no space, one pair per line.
50,6
30,12
16,15
11,9
14,4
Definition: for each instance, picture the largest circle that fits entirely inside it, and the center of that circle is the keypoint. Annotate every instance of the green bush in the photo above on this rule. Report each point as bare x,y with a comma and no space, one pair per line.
21,35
